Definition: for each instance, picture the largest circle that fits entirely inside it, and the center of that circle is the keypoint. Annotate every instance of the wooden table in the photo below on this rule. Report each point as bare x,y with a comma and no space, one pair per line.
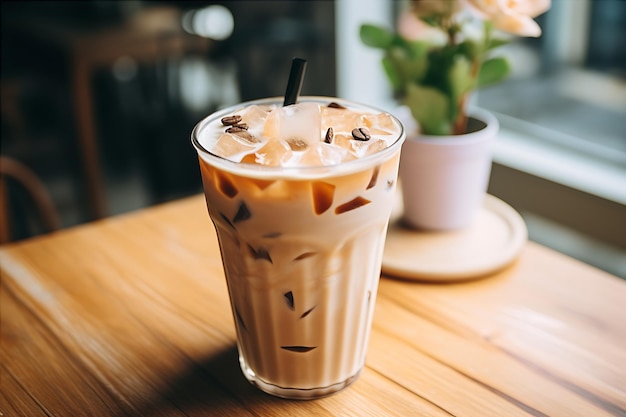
130,316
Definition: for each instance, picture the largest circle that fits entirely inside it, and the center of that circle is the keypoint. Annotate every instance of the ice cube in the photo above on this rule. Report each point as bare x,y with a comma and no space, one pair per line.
323,154
380,124
333,154
323,195
344,140
271,127
300,123
370,147
359,148
273,153
297,144
341,120
233,146
255,116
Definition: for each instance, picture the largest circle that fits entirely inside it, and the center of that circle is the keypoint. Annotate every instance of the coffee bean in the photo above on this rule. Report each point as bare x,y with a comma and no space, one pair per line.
231,120
237,128
361,133
329,135
334,105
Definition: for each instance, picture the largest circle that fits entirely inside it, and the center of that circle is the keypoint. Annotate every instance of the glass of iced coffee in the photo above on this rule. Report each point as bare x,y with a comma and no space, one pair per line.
300,197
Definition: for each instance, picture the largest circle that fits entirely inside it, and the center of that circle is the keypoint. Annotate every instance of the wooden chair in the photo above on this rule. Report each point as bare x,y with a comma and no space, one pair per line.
47,215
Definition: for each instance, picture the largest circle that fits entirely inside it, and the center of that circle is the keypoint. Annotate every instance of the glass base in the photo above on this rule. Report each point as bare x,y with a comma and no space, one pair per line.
294,393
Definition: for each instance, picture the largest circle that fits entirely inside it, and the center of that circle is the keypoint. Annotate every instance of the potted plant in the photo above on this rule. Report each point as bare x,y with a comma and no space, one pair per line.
441,53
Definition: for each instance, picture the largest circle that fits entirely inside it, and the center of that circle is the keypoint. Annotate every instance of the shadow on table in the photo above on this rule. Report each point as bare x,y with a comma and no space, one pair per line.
215,385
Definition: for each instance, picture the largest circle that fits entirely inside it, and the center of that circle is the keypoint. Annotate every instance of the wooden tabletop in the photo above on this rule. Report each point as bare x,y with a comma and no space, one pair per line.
129,316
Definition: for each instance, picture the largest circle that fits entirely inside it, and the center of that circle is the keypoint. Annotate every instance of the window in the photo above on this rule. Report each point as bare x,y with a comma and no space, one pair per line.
568,92
561,154
561,157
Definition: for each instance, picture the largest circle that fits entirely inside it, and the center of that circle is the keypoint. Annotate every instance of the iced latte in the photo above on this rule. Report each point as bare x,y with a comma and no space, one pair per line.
300,197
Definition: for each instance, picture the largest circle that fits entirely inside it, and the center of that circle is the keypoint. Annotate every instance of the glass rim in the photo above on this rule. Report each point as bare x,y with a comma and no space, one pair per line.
265,171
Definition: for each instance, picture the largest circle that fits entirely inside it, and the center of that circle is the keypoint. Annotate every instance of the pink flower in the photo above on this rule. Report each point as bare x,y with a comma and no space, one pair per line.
513,16
411,28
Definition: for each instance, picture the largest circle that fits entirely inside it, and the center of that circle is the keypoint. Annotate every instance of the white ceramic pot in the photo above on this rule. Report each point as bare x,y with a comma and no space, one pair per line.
444,178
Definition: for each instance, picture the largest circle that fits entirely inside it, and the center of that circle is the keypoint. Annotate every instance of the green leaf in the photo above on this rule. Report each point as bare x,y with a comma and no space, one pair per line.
492,71
392,74
494,43
431,20
460,78
375,36
469,49
417,49
430,108
407,68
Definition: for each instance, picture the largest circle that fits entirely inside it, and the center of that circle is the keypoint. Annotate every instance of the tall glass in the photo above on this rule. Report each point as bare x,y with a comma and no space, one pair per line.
302,250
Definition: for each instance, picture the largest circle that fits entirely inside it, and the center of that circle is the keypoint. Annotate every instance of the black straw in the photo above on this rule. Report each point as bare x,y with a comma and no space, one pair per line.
296,76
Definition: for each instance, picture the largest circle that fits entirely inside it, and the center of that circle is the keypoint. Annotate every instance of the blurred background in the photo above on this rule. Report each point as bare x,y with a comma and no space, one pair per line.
99,99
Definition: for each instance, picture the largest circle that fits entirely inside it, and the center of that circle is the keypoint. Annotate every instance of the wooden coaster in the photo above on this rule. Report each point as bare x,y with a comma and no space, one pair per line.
490,243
